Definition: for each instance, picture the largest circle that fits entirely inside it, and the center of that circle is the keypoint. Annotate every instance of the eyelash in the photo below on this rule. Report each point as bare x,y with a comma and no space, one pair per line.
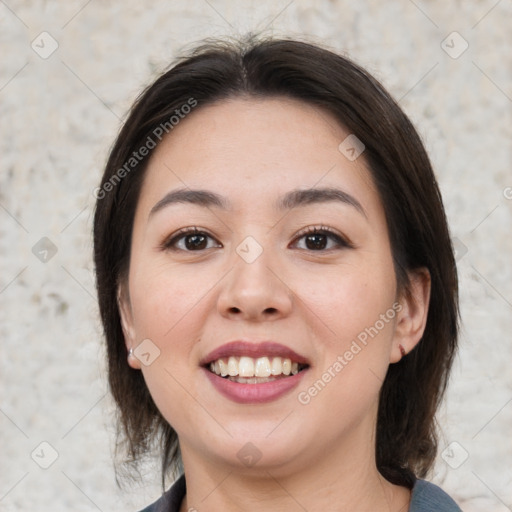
341,241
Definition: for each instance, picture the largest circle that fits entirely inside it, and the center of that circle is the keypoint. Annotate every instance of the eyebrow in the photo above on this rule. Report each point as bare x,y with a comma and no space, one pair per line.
293,199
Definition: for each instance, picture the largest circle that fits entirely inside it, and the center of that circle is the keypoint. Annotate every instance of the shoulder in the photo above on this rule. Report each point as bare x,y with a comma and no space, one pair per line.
427,497
171,500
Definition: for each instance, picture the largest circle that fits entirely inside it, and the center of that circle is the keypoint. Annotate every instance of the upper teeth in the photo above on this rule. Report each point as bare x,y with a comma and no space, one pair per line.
248,367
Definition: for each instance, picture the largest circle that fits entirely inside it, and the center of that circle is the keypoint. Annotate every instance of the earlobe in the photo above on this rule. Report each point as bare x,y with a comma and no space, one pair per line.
412,318
125,313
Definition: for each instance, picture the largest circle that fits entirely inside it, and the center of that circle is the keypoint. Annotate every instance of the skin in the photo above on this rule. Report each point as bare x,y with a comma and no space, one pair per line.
316,302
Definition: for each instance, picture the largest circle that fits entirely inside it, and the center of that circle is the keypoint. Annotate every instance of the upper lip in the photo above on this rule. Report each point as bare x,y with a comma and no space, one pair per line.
253,349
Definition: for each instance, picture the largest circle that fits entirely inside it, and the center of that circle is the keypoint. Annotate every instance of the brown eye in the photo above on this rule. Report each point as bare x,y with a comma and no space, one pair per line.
193,242
317,239
189,240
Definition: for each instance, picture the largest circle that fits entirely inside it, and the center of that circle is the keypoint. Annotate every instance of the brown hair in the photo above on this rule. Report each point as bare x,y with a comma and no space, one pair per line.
406,441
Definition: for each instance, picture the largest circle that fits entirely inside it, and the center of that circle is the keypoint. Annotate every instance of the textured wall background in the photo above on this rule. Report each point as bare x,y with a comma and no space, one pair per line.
60,110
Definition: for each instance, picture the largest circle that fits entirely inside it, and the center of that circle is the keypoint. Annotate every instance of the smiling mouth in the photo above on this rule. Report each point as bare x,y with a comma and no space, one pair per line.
248,370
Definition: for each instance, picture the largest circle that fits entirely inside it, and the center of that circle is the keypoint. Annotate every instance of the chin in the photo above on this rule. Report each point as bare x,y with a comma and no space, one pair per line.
259,446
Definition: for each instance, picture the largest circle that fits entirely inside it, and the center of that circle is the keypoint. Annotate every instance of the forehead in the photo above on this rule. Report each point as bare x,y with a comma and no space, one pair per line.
255,149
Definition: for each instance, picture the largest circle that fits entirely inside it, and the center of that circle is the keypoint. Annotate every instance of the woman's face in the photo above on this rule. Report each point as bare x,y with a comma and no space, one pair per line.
252,273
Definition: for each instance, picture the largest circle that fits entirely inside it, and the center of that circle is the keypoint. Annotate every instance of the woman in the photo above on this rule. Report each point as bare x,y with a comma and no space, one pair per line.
277,285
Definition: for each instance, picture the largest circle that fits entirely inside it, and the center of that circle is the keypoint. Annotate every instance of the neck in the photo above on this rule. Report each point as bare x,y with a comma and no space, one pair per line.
347,477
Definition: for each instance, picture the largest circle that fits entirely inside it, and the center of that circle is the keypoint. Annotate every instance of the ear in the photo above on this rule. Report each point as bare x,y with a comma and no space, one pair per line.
412,318
125,312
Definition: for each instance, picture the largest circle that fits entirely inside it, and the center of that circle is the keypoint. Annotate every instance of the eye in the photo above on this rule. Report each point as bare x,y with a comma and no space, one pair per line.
188,240
194,239
317,239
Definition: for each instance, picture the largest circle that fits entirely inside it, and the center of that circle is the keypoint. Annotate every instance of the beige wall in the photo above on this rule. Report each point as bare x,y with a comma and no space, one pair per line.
59,115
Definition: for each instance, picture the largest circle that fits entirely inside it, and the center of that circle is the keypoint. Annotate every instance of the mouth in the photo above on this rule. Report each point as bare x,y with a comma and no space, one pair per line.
250,372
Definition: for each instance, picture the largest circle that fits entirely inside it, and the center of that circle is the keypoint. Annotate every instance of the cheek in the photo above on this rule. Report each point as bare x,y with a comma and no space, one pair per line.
353,323
348,299
163,298
167,309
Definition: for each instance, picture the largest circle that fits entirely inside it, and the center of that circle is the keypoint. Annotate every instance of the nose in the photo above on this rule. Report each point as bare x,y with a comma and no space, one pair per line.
255,291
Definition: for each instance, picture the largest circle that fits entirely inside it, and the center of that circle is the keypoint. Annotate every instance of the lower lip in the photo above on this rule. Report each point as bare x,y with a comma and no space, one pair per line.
254,393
